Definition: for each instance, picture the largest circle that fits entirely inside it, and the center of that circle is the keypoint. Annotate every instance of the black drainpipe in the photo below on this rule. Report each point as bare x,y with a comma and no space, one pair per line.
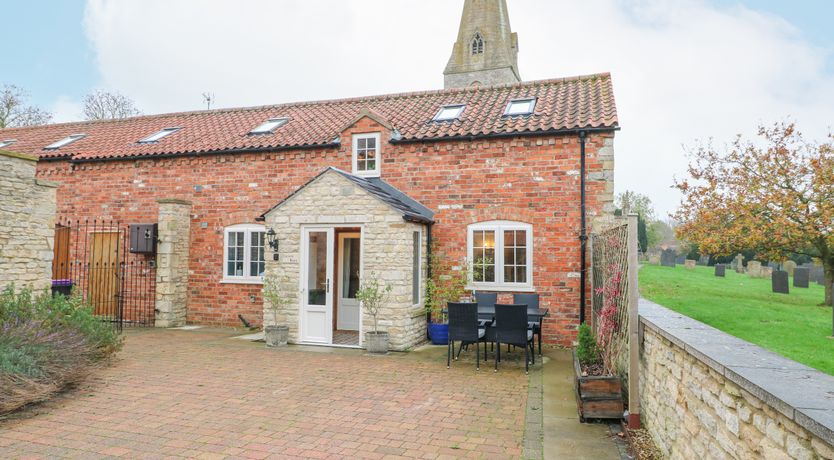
583,232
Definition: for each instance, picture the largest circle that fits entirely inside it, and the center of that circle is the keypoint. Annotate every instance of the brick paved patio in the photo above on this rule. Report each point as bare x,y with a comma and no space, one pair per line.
199,394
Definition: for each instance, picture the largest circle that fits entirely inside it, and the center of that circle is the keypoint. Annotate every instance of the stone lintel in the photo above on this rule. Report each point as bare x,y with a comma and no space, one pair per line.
173,201
47,183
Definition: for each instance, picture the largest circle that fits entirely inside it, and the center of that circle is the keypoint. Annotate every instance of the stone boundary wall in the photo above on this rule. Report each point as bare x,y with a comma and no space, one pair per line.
27,223
706,394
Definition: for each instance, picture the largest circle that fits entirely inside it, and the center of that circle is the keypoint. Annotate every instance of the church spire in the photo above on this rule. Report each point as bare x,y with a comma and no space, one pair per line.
486,52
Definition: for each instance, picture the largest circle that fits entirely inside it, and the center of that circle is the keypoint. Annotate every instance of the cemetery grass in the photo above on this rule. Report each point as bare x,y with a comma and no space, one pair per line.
793,325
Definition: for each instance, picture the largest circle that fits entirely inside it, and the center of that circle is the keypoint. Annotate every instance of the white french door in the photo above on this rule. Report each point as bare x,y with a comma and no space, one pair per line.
349,266
316,285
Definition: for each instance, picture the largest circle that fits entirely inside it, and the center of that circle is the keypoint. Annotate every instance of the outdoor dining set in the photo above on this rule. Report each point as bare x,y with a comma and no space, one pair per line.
487,321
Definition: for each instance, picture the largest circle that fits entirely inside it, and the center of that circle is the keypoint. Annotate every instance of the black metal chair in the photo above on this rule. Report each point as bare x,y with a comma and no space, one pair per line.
532,302
486,299
464,327
511,327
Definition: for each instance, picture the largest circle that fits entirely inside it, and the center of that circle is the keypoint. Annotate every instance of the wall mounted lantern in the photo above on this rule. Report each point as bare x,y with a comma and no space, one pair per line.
272,240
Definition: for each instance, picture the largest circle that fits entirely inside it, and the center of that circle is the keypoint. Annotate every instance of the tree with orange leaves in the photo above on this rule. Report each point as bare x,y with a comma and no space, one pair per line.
776,196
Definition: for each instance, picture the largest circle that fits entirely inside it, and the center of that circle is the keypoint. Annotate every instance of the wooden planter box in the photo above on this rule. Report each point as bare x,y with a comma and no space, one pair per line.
597,396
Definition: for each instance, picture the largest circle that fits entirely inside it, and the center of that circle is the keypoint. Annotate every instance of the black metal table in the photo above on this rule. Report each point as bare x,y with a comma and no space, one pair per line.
534,315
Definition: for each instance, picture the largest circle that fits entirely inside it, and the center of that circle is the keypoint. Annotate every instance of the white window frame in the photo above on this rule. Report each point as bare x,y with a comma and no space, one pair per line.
459,111
419,267
158,135
248,230
65,141
7,142
499,226
378,170
531,103
270,126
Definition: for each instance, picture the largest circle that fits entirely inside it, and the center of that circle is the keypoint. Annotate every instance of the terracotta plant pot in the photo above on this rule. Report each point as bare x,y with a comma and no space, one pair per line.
276,336
598,397
376,342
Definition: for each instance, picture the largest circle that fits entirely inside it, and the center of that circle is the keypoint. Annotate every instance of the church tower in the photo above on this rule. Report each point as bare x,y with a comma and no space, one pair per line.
486,52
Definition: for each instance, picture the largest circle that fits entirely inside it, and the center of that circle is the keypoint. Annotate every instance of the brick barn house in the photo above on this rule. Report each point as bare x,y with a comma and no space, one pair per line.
501,172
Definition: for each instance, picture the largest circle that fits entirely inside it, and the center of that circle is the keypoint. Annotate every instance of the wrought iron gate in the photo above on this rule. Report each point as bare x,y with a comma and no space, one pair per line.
93,256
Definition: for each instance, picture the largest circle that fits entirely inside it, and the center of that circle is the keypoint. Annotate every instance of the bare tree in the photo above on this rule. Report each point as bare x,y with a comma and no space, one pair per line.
104,105
14,112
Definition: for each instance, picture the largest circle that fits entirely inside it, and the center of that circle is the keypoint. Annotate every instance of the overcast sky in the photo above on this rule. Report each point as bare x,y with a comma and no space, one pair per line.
682,69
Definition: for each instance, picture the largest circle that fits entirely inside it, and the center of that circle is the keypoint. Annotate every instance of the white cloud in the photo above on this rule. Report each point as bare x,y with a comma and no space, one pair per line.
683,69
66,109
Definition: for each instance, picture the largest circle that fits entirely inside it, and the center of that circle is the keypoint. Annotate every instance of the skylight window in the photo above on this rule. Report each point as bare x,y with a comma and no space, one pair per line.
65,141
449,112
6,143
269,126
157,136
521,107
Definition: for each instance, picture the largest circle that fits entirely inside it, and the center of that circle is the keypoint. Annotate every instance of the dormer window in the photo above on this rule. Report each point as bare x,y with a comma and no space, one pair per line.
269,126
520,107
478,44
65,141
366,152
7,143
159,135
449,112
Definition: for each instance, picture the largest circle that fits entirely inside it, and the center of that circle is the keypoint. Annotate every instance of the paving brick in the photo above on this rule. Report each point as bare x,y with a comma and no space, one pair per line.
199,394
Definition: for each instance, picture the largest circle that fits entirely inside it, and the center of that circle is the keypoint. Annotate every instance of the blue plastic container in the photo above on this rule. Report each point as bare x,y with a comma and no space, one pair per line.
439,333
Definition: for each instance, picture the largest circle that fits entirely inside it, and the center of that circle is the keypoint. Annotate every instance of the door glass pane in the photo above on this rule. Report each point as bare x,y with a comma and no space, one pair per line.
317,269
350,268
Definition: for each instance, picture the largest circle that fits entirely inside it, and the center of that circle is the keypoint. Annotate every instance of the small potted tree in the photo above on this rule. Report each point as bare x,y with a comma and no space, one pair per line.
275,334
373,294
445,285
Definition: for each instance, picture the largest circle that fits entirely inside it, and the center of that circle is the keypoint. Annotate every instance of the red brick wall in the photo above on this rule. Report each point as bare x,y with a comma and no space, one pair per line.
530,179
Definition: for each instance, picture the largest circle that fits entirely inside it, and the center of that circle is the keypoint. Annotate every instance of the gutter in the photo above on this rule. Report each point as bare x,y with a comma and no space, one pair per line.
583,232
549,132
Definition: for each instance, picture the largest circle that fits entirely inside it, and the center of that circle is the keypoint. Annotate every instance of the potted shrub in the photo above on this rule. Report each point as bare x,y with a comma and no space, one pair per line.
373,295
445,285
598,388
275,334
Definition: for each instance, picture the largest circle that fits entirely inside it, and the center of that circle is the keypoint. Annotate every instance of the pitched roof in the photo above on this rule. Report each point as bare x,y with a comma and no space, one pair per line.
410,208
562,104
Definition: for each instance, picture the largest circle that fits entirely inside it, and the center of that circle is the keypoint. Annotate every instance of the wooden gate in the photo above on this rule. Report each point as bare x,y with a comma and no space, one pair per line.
94,258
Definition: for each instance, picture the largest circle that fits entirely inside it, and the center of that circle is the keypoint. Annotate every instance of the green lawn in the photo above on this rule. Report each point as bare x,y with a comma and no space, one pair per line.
792,325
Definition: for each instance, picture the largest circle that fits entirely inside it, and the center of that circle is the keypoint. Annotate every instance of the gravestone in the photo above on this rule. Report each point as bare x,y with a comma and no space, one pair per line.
738,264
680,260
654,259
779,282
720,270
801,277
689,264
818,274
789,266
773,265
703,261
766,272
754,269
667,258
